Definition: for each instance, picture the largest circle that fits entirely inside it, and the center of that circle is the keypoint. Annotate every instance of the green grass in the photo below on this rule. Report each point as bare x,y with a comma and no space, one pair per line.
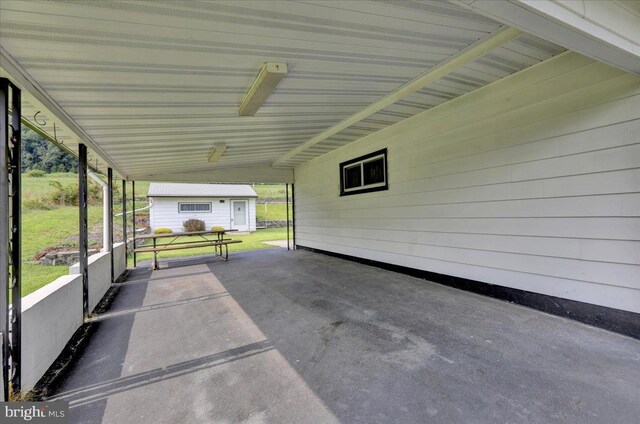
270,191
253,241
271,211
39,186
142,188
33,187
42,229
36,276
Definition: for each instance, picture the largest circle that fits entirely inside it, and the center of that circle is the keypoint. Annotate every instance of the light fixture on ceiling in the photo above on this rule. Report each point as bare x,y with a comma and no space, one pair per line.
267,79
217,152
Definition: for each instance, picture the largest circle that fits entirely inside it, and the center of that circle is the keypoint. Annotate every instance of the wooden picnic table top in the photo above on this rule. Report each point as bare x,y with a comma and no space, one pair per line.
184,234
166,247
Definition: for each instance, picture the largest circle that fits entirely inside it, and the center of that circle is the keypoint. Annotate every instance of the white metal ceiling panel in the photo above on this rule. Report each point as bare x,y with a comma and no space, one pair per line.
156,84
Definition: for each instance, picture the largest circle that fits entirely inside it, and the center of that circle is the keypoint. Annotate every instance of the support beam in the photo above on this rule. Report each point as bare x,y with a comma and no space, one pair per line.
83,254
133,216
466,56
293,213
109,218
287,208
15,241
10,237
4,233
124,220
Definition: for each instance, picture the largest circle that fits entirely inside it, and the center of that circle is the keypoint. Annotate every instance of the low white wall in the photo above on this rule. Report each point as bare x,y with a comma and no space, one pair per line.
50,316
119,260
99,276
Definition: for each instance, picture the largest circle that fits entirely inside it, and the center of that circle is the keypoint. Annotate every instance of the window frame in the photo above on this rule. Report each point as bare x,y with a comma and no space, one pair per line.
361,160
195,203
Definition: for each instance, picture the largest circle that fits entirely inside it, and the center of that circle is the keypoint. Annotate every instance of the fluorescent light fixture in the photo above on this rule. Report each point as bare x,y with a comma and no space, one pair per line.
267,79
217,152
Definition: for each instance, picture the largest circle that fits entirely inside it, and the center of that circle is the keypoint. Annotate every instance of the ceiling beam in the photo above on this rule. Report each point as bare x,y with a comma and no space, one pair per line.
21,78
471,53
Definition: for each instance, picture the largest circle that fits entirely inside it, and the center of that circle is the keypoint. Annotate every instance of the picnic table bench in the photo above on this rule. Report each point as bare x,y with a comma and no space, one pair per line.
218,243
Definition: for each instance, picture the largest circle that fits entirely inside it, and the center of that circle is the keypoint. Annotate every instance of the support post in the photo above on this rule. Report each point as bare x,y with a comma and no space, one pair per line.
83,227
5,224
287,208
16,238
109,217
124,220
133,214
293,214
10,237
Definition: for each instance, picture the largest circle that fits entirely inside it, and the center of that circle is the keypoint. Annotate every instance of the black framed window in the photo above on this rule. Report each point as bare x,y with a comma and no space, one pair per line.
203,207
364,174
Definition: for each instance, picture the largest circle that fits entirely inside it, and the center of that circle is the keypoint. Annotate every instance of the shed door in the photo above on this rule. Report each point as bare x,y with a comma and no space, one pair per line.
239,215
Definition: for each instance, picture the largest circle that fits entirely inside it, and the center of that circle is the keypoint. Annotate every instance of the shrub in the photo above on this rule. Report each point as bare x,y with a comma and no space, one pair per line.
35,173
163,231
217,228
191,225
63,195
67,195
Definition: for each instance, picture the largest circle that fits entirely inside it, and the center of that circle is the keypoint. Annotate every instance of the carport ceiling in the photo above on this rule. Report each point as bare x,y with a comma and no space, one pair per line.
152,86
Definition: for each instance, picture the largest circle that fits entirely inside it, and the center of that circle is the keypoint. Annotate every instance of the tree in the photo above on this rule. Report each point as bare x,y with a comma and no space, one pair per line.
39,153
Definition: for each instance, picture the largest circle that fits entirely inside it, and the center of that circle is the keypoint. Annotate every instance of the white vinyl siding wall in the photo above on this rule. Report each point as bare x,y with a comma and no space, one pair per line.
532,182
164,213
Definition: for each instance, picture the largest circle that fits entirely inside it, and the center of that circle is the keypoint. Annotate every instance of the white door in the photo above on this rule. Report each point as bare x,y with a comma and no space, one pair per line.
240,215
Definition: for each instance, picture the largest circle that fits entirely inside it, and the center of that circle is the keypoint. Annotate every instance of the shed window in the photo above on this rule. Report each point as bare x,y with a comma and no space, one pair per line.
364,174
194,207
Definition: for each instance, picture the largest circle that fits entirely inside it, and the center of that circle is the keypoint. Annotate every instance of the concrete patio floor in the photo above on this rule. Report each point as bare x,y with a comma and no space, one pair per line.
299,337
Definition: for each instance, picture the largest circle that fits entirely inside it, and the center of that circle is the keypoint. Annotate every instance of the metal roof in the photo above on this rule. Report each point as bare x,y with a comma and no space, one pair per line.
154,85
200,190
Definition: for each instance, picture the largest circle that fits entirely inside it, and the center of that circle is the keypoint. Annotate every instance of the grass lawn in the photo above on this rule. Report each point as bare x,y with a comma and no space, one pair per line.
272,211
38,187
42,229
251,241
270,191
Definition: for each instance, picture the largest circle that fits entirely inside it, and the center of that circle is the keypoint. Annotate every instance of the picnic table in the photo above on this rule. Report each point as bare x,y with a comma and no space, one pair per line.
218,243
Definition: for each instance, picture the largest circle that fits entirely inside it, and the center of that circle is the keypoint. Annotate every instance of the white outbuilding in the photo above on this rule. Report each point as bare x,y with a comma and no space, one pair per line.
232,206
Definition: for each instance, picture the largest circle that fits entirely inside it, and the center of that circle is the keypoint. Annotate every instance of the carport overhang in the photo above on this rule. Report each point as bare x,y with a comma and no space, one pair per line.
147,154
605,31
156,117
